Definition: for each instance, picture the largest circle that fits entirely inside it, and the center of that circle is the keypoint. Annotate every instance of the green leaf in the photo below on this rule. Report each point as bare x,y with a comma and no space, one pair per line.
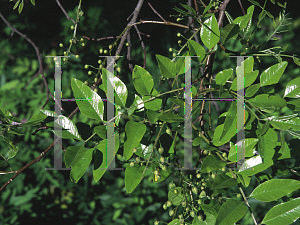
242,21
282,141
292,89
283,213
252,90
134,132
210,220
212,162
79,168
254,165
120,89
142,80
223,181
196,50
73,155
272,74
210,33
246,67
88,101
285,123
164,174
33,2
153,104
223,76
133,176
231,212
177,198
265,100
230,121
179,102
274,189
170,118
217,134
152,115
16,5
229,31
248,80
138,105
166,66
245,180
21,7
101,159
266,144
249,144
70,131
174,222
101,131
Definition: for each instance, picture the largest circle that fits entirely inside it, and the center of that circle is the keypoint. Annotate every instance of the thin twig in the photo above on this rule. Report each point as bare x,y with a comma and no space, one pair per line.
156,12
62,9
222,12
142,43
242,7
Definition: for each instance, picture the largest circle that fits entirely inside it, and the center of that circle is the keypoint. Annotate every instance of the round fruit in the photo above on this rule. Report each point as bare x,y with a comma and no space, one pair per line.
127,44
194,190
200,217
223,169
72,27
86,66
134,150
192,213
205,152
90,73
105,51
171,212
224,154
180,216
169,130
99,61
86,83
174,54
165,206
110,46
61,45
96,90
183,204
169,203
137,159
156,172
161,150
238,195
96,79
82,44
175,191
118,69
77,56
198,175
162,159
213,176
158,177
164,168
156,223
131,164
178,34
101,51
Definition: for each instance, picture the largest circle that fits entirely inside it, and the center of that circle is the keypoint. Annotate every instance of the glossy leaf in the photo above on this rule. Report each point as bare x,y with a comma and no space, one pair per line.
70,131
245,67
196,50
170,118
223,181
153,104
252,90
283,213
217,134
120,89
152,115
229,31
230,121
101,159
166,66
249,144
272,74
134,133
223,76
248,80
283,124
242,21
210,163
254,165
265,100
79,168
136,105
274,189
133,176
73,155
231,212
266,144
292,89
142,80
88,101
210,33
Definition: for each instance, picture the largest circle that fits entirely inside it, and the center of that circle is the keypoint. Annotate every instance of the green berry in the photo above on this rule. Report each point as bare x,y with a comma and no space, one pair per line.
99,61
223,169
224,154
77,56
162,159
72,27
127,44
165,206
171,212
183,203
96,90
170,49
164,168
178,34
169,203
178,19
131,164
175,191
82,44
110,46
174,54
105,51
101,51
192,213
86,66
161,150
202,187
179,42
90,73
194,190
134,150
156,223
213,176
156,172
137,159
65,53
199,201
169,130
61,45
200,218
205,152
118,69
96,79
81,39
180,216
198,175
86,83
238,195
158,177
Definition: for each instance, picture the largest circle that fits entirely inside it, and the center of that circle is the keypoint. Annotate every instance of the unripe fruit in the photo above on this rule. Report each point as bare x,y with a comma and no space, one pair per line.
179,42
164,168
162,159
86,66
77,56
61,45
72,27
199,201
157,177
187,209
194,190
134,150
174,54
65,53
178,34
205,152
156,172
180,216
213,176
118,69
101,51
110,46
86,83
175,191
200,217
99,61
198,175
161,150
105,51
169,203
224,154
96,79
171,185
223,169
81,39
183,204
156,223
169,130
137,159
90,73
82,44
171,212
202,187
238,195
170,49
127,44
70,40
178,19
131,164
192,213
96,90
165,206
